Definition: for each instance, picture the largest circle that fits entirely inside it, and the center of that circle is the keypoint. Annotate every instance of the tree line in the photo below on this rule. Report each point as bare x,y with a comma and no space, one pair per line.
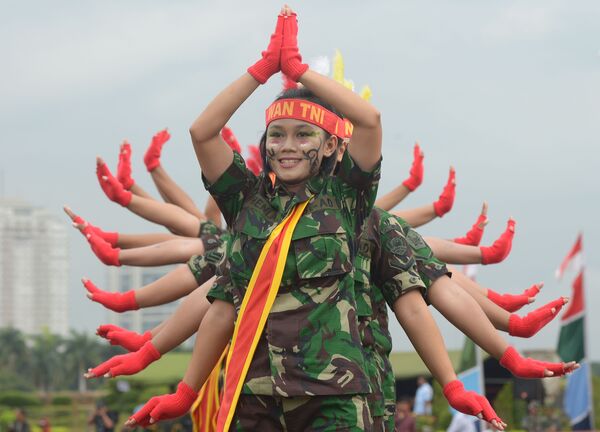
47,362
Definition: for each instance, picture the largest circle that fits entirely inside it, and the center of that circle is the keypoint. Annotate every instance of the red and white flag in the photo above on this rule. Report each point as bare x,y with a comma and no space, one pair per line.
573,260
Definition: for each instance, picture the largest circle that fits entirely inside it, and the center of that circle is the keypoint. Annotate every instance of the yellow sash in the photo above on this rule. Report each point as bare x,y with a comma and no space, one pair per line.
254,311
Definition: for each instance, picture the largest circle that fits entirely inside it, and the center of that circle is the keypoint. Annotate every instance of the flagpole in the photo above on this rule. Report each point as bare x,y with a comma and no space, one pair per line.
585,349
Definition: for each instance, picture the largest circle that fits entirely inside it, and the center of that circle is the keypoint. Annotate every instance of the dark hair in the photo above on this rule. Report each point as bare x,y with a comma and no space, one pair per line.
328,163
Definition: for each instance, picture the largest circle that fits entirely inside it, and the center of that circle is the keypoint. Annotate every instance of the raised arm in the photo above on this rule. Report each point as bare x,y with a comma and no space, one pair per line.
213,154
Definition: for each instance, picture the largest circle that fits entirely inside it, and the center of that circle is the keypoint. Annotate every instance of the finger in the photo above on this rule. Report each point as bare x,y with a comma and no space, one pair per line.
103,368
484,208
89,285
143,414
69,212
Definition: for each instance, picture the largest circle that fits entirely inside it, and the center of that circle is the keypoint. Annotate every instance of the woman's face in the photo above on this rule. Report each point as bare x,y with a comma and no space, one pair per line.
295,150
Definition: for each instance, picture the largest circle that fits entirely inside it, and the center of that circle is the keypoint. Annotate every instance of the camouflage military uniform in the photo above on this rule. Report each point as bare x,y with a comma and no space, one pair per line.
204,266
392,260
310,345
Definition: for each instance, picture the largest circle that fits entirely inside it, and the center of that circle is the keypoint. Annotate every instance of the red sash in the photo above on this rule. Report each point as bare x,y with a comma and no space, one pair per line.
254,311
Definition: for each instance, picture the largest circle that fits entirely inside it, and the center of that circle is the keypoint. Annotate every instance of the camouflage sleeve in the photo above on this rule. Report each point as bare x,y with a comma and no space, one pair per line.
430,268
231,188
358,188
395,267
221,290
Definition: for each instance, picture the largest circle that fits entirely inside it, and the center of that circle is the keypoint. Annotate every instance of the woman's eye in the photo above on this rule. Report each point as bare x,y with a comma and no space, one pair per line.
304,134
274,135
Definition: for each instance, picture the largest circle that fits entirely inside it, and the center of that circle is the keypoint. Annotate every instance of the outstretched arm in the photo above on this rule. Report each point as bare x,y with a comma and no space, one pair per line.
393,198
418,216
416,320
174,251
213,335
172,286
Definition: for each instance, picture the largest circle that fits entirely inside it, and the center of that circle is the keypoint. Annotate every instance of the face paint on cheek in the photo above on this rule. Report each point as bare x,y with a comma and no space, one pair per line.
312,156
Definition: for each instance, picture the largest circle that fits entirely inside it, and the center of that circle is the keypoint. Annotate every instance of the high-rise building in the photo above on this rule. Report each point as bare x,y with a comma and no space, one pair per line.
121,279
34,267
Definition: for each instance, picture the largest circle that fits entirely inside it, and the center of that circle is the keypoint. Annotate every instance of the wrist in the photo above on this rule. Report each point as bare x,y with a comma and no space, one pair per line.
130,301
187,393
149,353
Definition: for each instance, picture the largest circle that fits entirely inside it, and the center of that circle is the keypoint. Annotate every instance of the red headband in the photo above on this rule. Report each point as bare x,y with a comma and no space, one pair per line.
310,112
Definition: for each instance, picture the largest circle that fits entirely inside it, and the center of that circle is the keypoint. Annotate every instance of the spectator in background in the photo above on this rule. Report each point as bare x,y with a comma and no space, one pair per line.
20,424
405,421
423,397
533,421
103,419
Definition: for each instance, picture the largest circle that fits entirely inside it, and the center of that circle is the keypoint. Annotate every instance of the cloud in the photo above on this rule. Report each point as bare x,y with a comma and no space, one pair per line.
81,53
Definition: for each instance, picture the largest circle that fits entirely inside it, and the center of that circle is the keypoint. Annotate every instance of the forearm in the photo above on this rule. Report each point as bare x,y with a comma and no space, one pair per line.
453,253
174,251
174,218
462,311
139,191
172,193
184,321
174,285
129,241
498,316
365,144
417,217
213,154
420,327
212,211
214,334
392,198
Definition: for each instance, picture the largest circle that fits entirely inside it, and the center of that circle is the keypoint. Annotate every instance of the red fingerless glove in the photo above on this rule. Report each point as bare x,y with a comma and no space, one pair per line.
446,200
498,251
104,251
128,364
118,302
473,237
533,322
166,406
113,189
469,402
524,367
152,156
268,65
513,302
129,340
291,60
416,170
124,166
254,161
111,237
231,140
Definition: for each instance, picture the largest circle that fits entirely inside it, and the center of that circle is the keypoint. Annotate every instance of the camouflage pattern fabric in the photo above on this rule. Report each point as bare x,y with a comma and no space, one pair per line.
392,256
203,267
210,234
303,413
311,343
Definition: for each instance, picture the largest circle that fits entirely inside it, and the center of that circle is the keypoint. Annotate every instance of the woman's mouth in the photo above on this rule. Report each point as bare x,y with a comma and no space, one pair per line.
289,162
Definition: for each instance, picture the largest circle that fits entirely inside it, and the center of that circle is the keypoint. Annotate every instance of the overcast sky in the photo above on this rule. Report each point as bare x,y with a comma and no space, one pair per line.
506,91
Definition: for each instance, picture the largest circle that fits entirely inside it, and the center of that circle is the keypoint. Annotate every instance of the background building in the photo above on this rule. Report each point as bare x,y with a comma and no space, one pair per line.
34,267
121,279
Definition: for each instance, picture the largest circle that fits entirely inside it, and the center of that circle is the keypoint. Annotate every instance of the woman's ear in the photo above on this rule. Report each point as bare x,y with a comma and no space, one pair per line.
330,146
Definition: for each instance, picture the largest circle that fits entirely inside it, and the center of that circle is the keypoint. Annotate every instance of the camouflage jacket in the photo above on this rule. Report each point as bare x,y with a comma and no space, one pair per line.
311,344
392,259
